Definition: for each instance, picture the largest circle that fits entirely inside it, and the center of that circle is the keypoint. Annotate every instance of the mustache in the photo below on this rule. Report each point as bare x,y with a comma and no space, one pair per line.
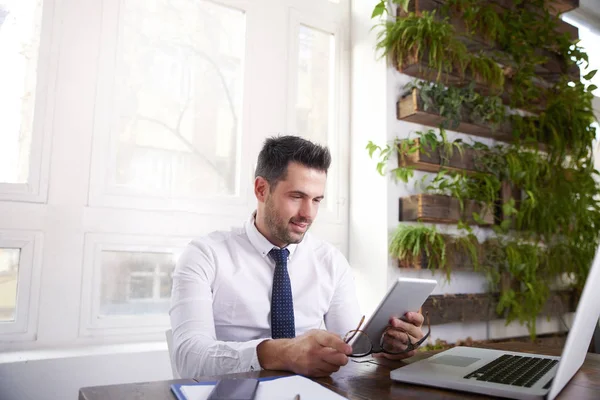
301,221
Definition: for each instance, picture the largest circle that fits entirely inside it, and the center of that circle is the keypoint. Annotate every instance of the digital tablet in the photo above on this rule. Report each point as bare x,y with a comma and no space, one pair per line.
406,294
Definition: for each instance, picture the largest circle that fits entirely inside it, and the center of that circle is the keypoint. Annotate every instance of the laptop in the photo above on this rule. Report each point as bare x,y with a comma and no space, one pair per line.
511,374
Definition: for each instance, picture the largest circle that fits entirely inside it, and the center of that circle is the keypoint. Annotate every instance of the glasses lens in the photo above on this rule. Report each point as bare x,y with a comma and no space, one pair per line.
360,342
394,342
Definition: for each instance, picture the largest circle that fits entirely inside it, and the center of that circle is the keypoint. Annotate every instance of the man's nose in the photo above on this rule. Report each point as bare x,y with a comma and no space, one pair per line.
308,209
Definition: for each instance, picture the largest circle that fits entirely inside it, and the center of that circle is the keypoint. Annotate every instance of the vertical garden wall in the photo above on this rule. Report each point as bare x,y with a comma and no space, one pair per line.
507,70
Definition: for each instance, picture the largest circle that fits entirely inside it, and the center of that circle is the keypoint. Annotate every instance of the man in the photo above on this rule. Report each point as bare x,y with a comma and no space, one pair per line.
257,297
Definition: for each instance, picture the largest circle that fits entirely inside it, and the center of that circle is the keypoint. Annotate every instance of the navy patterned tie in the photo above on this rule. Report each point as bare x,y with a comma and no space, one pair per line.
282,303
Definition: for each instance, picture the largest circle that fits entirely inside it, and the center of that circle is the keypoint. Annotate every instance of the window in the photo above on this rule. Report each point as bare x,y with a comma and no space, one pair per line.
161,107
21,150
316,77
9,269
177,99
136,283
127,283
19,283
315,103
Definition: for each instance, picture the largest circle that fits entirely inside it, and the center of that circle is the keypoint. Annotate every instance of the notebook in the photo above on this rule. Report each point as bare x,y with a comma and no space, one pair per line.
277,388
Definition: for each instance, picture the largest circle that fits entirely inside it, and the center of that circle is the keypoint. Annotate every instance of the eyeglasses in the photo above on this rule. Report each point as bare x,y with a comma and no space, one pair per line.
366,347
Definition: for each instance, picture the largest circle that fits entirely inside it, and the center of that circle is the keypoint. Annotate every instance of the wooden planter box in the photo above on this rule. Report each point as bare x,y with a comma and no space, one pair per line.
555,7
410,109
419,68
416,68
550,71
457,258
559,6
425,159
448,308
442,209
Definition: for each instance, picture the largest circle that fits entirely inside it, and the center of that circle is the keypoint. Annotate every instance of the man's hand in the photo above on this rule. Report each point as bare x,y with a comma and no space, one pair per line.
400,331
316,353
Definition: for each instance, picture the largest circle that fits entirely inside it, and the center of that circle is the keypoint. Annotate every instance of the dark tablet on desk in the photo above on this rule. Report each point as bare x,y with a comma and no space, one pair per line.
234,389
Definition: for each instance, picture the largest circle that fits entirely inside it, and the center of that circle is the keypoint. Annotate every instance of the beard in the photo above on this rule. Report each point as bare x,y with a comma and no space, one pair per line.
279,227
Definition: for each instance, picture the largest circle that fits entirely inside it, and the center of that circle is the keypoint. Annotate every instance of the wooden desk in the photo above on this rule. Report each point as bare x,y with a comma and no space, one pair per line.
367,379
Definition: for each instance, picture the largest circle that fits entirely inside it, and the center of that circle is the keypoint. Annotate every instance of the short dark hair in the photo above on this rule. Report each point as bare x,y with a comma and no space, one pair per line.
278,152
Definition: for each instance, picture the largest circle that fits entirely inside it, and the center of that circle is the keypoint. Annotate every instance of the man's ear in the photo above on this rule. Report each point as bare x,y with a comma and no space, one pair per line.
261,188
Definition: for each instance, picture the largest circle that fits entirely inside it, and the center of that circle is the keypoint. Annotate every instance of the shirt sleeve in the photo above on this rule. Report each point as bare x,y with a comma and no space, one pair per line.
196,350
344,311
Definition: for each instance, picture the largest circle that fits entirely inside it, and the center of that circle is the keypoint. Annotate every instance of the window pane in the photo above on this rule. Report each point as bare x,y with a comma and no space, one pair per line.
315,102
20,22
9,268
134,283
178,97
140,288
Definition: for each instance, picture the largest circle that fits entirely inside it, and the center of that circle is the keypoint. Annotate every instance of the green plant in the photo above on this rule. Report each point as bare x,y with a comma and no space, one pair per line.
401,173
409,242
414,243
459,104
551,226
415,38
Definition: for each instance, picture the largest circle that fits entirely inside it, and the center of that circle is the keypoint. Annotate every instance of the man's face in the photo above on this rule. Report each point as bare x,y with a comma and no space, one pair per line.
290,208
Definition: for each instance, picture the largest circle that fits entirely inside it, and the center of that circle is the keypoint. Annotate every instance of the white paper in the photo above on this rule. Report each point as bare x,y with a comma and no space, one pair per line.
277,389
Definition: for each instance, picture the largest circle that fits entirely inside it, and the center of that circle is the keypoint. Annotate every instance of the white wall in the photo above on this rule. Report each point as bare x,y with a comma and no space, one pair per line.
368,192
60,374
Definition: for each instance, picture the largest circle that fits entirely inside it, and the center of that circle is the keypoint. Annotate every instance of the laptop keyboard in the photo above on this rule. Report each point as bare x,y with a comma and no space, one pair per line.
514,370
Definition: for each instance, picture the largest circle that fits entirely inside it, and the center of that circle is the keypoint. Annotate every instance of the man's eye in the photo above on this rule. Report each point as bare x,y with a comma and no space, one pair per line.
317,200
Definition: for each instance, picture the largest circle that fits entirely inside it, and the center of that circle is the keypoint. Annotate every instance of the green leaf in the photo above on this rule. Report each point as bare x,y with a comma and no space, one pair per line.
477,218
379,9
590,75
371,147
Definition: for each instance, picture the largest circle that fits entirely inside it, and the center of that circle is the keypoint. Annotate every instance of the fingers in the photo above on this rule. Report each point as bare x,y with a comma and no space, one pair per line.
395,341
397,335
412,330
329,361
333,357
328,339
414,318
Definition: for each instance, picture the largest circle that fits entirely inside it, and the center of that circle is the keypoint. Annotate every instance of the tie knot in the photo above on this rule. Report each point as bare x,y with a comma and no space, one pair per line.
279,255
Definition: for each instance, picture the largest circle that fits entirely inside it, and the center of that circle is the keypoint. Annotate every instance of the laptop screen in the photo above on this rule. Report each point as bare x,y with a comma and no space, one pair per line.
578,341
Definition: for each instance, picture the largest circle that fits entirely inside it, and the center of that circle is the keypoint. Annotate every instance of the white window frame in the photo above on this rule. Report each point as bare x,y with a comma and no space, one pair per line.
91,324
23,328
36,188
331,23
101,192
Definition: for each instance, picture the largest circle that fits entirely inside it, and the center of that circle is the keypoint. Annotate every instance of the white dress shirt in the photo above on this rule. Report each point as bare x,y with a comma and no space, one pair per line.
221,298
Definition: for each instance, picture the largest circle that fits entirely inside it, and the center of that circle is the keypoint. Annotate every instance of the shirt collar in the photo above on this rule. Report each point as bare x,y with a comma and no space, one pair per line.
261,243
